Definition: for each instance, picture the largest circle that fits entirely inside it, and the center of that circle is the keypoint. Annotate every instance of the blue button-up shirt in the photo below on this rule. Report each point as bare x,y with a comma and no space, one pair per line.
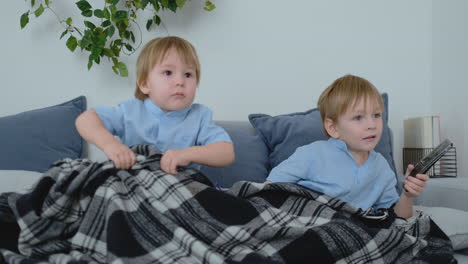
328,167
143,122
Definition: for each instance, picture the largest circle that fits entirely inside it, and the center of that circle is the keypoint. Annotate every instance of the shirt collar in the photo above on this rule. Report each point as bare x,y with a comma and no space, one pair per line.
341,145
158,112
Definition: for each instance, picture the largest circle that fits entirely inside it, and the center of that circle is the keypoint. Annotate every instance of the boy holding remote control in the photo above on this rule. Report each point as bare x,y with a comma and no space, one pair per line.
346,165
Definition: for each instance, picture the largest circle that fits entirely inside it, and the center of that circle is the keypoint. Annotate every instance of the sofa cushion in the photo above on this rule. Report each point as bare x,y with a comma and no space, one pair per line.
452,221
284,133
18,180
251,162
444,192
33,140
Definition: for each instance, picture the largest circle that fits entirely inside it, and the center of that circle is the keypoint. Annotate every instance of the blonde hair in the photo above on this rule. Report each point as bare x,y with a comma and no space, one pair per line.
155,51
344,93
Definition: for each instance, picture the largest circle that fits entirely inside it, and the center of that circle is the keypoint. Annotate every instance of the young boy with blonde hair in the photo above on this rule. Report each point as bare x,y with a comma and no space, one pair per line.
346,165
162,114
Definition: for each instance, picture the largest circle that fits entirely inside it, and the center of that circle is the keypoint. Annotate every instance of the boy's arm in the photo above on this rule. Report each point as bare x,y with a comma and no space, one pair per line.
293,169
91,128
404,206
414,186
218,154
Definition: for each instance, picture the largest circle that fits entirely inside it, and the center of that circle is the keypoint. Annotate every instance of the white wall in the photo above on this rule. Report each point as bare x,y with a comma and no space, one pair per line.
260,56
450,73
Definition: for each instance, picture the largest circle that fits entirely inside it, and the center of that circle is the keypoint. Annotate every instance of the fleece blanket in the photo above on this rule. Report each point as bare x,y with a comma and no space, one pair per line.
88,212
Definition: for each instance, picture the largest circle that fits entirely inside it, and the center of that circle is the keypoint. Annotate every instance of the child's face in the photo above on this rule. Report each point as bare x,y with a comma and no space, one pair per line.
171,84
360,127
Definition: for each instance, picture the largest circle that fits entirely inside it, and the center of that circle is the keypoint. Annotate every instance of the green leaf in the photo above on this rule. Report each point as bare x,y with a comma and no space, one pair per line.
86,40
157,20
149,23
24,20
107,13
110,31
69,21
97,60
116,51
172,5
123,69
101,37
99,13
63,33
115,69
144,3
47,3
126,34
39,10
165,3
87,13
105,23
121,14
122,27
129,47
156,5
94,54
108,53
83,5
72,43
89,24
33,3
209,6
115,2
112,9
90,64
132,36
138,4
180,3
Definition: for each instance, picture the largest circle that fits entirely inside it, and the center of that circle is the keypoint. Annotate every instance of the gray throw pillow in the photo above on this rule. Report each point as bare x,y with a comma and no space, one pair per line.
33,140
284,133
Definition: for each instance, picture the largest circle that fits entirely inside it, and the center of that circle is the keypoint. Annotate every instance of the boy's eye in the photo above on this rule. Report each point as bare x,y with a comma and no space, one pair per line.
188,74
167,73
358,117
377,115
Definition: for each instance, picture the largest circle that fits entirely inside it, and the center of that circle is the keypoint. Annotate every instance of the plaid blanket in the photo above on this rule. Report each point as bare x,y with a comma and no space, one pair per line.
87,212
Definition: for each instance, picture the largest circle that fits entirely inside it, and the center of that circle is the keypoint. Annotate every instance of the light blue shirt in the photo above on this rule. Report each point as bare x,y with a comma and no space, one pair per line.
143,122
328,167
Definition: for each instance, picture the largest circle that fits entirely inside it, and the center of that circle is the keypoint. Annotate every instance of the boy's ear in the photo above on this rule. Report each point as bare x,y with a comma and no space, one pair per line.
143,88
330,127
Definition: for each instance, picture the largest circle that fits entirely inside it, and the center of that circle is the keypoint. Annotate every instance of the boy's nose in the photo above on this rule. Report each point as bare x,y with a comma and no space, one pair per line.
179,80
372,124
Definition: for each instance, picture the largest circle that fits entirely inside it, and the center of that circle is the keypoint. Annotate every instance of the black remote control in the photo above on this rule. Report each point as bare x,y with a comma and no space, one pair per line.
431,158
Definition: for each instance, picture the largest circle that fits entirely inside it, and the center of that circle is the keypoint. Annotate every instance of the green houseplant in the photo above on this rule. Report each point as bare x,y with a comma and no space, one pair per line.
107,31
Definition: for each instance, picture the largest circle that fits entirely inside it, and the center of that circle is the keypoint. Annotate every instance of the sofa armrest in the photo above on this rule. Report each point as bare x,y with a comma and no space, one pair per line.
445,192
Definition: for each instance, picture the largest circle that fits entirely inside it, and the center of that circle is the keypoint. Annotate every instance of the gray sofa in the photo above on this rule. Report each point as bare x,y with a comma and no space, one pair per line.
260,143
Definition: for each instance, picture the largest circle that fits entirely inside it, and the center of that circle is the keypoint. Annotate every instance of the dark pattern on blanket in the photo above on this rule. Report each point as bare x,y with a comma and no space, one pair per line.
88,212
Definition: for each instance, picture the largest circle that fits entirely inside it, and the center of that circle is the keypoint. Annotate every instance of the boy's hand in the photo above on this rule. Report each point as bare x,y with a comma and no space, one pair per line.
414,185
122,156
174,158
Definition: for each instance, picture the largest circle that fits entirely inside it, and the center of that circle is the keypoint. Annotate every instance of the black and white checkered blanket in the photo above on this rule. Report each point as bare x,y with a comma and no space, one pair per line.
87,212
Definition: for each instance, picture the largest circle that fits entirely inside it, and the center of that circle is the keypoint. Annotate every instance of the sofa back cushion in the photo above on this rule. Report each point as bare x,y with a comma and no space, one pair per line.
33,140
251,162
